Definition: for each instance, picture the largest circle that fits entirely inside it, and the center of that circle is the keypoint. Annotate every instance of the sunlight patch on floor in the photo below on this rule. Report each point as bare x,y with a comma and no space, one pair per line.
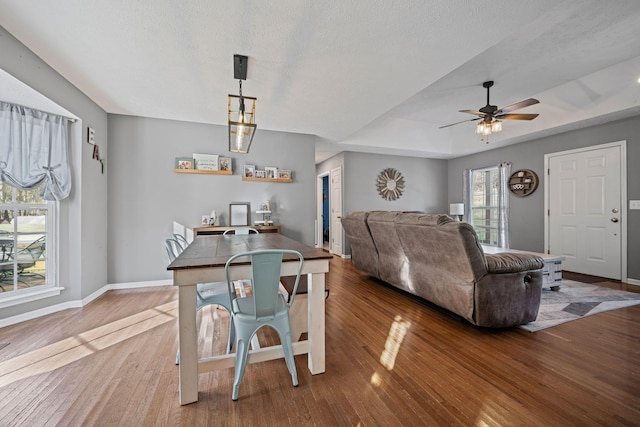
395,337
61,353
392,345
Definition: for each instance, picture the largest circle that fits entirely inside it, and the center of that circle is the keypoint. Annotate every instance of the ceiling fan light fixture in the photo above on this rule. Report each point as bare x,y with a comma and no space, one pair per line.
490,115
483,128
486,128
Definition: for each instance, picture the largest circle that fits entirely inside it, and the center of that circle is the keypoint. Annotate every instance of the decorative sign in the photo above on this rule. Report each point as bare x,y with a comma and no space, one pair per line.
206,162
523,182
390,184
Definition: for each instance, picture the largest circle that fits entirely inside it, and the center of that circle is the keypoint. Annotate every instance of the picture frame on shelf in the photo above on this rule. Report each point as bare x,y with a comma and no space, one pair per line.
272,172
239,214
249,171
284,174
225,164
184,163
206,220
207,162
261,174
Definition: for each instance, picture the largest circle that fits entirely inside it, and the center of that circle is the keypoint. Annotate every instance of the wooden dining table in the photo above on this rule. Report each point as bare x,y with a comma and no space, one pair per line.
204,261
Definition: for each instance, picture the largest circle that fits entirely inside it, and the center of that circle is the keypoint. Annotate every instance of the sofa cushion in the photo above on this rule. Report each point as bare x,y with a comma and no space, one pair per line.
440,269
512,262
395,268
364,254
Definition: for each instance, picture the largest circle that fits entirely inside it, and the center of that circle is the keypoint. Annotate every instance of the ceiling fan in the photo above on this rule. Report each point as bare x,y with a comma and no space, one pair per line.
491,115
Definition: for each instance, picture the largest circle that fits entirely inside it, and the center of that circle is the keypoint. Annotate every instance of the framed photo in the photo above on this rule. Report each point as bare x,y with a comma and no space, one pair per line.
206,220
225,164
184,163
285,174
207,162
249,171
271,172
261,174
239,214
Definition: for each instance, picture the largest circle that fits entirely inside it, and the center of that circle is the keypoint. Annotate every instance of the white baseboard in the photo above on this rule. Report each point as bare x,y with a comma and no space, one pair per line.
80,303
38,313
633,281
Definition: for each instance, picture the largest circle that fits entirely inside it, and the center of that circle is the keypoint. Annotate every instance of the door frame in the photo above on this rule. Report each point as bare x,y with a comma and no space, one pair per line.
623,197
331,228
319,236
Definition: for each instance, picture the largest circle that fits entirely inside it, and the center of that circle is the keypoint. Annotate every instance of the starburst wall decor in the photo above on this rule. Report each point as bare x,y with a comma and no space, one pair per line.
390,184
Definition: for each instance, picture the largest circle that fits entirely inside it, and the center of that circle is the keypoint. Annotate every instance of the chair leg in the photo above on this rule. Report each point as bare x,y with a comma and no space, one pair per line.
232,335
284,330
242,352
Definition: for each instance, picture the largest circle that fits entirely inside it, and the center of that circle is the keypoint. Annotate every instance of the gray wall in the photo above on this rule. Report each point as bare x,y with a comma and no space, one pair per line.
425,183
146,195
83,216
527,213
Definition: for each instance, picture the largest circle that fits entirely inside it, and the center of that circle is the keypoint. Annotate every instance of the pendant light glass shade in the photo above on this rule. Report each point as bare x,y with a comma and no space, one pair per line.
242,124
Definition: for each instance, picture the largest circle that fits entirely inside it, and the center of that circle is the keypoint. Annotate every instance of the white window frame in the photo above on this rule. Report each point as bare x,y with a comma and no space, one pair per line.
51,286
491,227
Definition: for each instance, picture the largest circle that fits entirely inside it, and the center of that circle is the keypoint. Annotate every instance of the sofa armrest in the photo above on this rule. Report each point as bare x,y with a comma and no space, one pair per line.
512,262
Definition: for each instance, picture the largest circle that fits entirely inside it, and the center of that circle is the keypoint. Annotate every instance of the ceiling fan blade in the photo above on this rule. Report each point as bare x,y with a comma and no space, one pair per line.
457,123
517,116
475,112
518,105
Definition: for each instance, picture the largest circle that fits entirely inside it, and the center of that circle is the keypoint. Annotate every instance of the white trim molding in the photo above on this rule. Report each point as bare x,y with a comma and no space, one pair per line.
68,304
34,295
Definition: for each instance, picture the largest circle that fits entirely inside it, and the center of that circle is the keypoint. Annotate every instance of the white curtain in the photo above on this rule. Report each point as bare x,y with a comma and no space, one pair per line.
34,148
466,195
504,170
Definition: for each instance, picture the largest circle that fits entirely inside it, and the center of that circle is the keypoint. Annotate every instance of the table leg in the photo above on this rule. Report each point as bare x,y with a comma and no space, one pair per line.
188,344
315,294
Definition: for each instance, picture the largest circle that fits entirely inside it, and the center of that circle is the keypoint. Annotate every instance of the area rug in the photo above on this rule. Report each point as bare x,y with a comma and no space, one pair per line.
576,300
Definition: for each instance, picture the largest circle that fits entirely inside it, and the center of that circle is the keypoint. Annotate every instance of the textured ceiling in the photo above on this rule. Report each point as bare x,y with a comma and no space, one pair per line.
373,76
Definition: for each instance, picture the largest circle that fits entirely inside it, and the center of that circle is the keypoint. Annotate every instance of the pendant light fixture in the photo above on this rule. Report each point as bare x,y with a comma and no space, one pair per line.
241,115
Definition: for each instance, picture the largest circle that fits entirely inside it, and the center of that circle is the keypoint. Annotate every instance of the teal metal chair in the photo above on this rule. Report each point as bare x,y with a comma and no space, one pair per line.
264,307
214,293
181,239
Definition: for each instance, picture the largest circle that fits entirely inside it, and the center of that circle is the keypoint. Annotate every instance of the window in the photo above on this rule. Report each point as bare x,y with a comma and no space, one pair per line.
26,224
488,201
484,204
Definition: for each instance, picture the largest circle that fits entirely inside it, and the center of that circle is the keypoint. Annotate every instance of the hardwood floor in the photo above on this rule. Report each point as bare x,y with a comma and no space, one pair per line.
392,360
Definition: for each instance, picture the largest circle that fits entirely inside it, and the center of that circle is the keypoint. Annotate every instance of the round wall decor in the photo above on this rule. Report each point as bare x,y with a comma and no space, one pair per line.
390,184
523,182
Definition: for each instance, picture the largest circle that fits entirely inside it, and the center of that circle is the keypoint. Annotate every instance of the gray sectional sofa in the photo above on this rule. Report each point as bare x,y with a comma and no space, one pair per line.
441,260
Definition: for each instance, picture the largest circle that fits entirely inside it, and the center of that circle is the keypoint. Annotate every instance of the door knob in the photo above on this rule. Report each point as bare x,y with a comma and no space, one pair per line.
614,219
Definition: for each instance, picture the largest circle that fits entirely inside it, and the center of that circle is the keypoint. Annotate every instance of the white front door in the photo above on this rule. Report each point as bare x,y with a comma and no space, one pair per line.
336,211
585,210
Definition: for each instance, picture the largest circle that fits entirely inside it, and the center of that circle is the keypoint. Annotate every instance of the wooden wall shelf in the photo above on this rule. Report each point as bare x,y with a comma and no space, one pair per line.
203,172
285,180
